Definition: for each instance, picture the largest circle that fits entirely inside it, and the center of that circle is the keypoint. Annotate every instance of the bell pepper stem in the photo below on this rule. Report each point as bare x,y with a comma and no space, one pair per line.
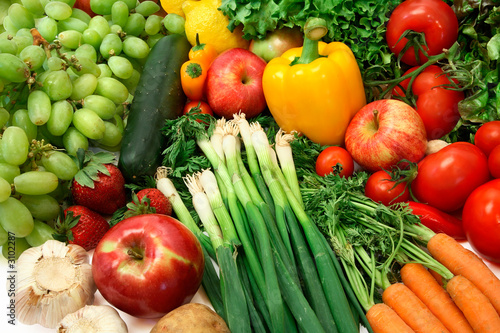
314,29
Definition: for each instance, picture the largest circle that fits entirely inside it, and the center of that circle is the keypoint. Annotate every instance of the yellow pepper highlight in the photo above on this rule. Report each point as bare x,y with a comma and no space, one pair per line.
317,99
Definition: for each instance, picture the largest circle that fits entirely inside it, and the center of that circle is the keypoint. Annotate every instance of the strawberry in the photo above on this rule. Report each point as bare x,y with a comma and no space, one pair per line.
82,226
149,201
99,185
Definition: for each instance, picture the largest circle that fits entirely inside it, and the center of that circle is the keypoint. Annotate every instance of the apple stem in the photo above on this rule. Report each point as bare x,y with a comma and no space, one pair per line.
375,118
314,29
135,255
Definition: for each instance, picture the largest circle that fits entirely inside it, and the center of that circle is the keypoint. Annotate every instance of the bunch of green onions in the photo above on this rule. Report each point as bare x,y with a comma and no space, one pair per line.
277,272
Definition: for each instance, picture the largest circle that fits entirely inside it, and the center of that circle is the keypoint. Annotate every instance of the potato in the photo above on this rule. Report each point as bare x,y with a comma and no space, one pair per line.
191,318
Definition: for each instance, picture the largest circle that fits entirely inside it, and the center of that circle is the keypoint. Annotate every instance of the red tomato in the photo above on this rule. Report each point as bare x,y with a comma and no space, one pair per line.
494,162
200,106
487,136
330,157
446,178
481,220
434,18
380,188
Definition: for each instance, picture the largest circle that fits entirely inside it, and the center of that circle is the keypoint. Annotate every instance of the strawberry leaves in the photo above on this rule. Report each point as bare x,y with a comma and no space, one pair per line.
91,164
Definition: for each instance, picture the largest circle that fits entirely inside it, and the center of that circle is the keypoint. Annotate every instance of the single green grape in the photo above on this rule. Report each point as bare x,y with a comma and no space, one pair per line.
174,23
89,123
58,10
57,85
8,46
59,163
9,171
70,38
112,135
87,51
15,217
153,25
135,47
99,24
13,69
4,116
135,24
121,67
83,86
39,107
41,233
15,145
35,182
113,89
74,140
153,39
86,66
132,82
42,207
34,56
47,27
72,23
111,45
21,118
92,37
5,189
119,13
105,70
81,15
101,7
147,8
34,7
20,16
60,118
103,106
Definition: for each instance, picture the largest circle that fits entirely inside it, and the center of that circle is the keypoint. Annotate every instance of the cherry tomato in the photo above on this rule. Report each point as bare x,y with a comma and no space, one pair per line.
193,78
329,158
480,218
487,136
494,162
380,188
434,18
446,178
200,106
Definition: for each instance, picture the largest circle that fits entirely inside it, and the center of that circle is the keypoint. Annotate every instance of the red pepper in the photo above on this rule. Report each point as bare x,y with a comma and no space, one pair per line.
437,220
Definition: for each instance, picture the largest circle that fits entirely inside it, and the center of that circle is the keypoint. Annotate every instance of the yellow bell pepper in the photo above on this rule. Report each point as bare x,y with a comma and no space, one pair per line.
315,89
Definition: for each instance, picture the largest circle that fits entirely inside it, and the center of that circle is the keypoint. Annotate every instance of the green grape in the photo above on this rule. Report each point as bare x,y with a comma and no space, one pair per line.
12,68
89,123
24,32
131,4
111,45
121,67
83,86
72,23
35,182
13,252
116,29
70,38
15,217
47,27
15,145
132,82
153,39
22,41
103,106
113,89
147,8
9,171
119,13
34,7
41,233
42,207
9,26
135,47
20,16
135,24
105,70
92,37
59,163
39,107
112,135
58,10
21,118
54,64
4,236
99,24
81,15
57,85
87,51
174,23
4,117
4,8
8,46
87,66
61,117
101,7
5,189
153,25
74,140
34,56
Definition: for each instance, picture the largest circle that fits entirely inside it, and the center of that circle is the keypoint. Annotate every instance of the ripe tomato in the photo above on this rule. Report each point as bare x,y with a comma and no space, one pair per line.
487,136
480,218
434,18
329,158
446,178
494,162
380,188
198,106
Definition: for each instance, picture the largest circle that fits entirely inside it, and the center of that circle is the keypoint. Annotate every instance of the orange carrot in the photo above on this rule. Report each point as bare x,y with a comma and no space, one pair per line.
476,307
383,319
411,309
422,283
440,280
461,261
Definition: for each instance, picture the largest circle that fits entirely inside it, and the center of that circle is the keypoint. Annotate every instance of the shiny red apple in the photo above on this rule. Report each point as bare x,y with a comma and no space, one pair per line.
384,132
234,84
148,265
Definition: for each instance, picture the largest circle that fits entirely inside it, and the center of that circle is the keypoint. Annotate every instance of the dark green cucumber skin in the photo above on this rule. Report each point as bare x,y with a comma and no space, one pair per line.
158,97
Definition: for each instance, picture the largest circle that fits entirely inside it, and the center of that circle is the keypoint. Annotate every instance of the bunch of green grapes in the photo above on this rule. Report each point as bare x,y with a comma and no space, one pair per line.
66,79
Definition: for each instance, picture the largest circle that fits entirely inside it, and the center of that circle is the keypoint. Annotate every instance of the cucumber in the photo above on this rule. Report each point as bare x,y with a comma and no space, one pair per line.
158,97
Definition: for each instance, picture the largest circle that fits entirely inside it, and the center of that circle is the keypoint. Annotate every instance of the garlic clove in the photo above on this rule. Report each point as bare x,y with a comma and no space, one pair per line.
54,279
93,319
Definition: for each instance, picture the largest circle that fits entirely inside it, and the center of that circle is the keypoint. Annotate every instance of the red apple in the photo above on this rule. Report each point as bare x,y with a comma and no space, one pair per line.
384,132
234,84
148,265
277,42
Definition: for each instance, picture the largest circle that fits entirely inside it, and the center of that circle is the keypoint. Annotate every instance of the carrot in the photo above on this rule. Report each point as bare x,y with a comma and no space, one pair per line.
476,307
411,309
440,280
461,261
434,296
383,319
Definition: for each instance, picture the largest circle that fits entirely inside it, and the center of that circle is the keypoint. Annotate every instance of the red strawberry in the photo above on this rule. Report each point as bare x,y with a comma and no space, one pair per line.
99,185
82,226
148,201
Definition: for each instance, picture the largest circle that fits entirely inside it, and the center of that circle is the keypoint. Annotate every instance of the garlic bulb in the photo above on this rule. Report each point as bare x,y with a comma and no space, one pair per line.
54,279
93,319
